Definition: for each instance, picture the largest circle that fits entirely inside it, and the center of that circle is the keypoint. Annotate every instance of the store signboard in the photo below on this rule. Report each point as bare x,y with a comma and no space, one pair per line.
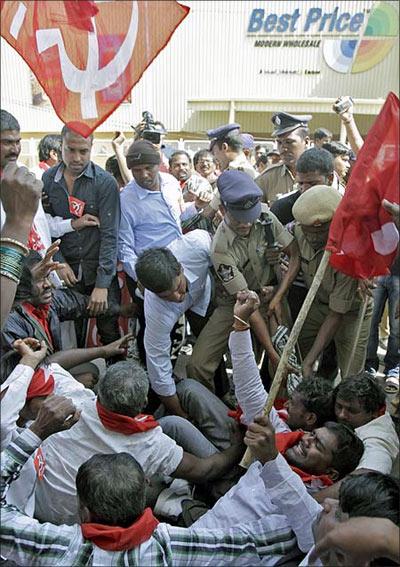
352,42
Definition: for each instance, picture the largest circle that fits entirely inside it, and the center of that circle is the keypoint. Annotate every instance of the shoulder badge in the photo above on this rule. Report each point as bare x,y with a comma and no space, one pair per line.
225,272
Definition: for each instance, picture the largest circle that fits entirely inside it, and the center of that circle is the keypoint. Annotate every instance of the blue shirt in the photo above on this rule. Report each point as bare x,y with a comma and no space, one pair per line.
148,219
193,252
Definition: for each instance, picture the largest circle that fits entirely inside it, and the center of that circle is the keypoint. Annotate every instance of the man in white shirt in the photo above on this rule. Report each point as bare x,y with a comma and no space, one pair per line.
176,281
113,423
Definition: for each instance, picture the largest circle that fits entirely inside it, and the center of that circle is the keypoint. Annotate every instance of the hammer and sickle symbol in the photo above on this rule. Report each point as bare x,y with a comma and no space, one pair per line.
92,79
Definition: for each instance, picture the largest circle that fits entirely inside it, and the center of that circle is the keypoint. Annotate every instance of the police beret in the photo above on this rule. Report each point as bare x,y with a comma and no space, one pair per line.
240,195
273,153
248,141
317,205
224,131
284,122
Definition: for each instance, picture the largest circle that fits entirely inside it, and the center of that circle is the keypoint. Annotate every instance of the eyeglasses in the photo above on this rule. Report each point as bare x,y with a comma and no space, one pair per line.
205,162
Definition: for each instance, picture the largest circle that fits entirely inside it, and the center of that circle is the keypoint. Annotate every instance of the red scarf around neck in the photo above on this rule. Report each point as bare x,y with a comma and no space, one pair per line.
123,423
285,441
114,538
41,385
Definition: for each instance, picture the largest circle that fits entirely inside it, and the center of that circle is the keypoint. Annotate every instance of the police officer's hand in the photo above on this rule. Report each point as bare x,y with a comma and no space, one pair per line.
66,274
272,254
246,303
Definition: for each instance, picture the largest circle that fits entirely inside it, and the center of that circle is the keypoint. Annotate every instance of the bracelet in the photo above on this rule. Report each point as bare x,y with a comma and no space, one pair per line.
241,321
11,263
16,243
9,276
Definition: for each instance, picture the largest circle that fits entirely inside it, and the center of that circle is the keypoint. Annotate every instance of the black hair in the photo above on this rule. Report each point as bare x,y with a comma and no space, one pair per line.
25,286
315,159
303,132
48,143
235,143
372,494
157,268
349,448
317,397
67,130
8,121
113,488
336,149
202,154
363,388
179,153
112,166
321,133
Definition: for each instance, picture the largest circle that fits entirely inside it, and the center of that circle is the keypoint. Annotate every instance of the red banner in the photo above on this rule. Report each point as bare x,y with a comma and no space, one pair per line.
363,238
87,74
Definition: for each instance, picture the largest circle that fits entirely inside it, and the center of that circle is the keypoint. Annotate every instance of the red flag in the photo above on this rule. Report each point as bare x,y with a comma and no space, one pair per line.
363,238
87,74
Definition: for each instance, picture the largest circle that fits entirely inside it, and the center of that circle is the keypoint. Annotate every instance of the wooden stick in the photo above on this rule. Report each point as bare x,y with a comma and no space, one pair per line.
360,320
294,334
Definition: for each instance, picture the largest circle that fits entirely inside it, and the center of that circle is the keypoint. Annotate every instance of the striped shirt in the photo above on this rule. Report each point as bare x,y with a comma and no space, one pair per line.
27,542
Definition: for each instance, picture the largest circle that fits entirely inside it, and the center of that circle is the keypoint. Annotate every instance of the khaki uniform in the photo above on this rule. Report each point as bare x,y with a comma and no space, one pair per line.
275,180
239,264
338,293
241,163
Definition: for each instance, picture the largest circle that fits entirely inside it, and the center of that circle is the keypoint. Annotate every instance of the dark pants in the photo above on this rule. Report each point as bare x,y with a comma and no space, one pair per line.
107,325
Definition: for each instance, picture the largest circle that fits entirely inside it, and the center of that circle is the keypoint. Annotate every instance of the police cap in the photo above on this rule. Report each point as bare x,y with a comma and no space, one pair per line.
317,205
284,122
240,195
223,132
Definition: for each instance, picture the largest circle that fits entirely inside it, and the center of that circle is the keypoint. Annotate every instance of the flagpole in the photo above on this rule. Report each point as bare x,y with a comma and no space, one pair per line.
360,320
294,334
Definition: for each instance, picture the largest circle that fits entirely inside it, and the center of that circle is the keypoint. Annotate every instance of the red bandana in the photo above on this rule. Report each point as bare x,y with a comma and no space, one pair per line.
41,315
285,441
114,538
40,385
123,423
43,165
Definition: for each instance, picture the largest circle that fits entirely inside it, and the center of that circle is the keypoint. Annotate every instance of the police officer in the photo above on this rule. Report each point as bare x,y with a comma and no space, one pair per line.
239,260
292,138
227,147
334,312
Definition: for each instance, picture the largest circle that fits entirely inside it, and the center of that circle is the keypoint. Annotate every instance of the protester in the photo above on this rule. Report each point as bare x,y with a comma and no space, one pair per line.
49,150
74,188
180,166
321,136
341,158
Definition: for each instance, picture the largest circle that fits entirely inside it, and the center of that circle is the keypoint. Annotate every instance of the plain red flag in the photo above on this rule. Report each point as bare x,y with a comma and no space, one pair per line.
87,74
363,239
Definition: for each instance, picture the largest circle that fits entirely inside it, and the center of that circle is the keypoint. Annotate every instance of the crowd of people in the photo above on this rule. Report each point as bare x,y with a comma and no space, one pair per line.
153,446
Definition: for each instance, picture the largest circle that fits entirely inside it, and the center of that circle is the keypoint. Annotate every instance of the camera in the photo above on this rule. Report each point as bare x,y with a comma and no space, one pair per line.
343,104
149,129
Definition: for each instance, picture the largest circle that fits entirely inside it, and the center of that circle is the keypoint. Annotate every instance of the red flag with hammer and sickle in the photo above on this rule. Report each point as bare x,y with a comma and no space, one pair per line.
88,56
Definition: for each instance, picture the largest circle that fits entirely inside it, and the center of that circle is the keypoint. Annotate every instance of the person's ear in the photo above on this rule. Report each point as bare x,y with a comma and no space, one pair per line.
224,147
311,420
307,141
333,474
84,514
